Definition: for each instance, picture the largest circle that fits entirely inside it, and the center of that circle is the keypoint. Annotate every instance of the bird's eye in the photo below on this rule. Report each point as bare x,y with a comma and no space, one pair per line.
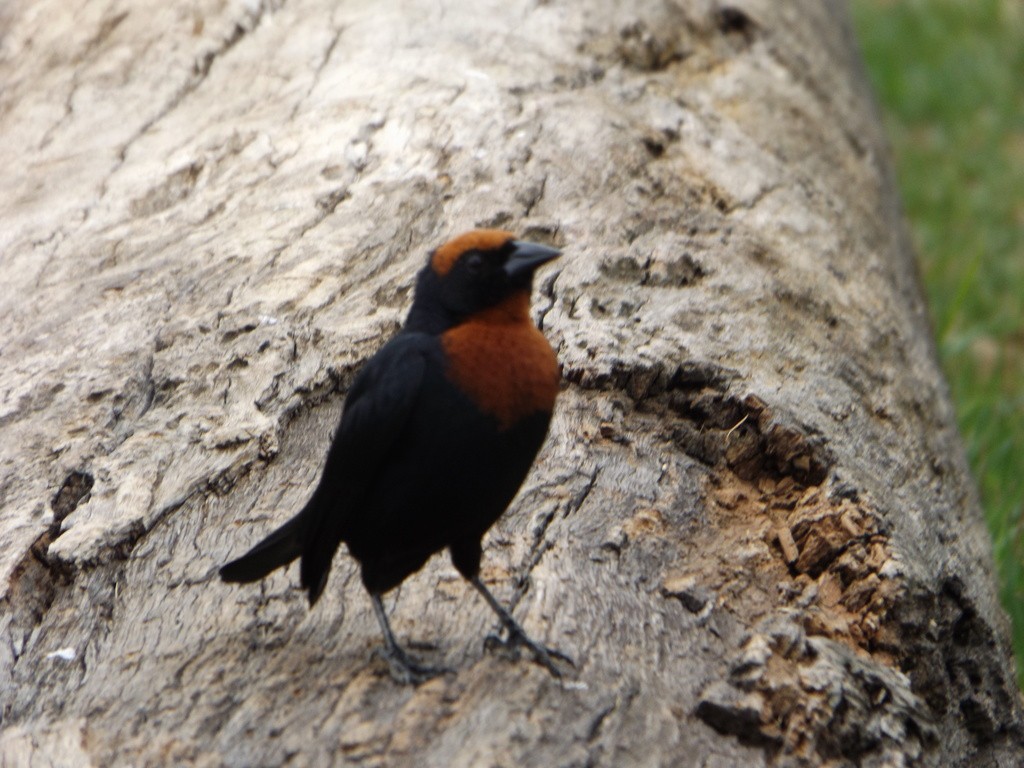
474,262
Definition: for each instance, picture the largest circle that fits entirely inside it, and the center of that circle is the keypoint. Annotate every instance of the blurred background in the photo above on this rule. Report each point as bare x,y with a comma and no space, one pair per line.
949,75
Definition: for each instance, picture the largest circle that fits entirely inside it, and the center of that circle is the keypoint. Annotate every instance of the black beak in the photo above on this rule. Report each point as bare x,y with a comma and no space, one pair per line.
527,257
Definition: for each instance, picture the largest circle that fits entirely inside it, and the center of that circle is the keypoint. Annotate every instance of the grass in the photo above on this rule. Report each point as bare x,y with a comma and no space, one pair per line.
950,78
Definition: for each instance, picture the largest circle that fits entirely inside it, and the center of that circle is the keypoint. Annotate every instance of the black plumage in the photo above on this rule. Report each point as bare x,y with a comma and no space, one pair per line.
438,432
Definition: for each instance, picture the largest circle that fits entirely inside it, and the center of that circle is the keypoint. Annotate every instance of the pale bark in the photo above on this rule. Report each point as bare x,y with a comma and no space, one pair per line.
752,524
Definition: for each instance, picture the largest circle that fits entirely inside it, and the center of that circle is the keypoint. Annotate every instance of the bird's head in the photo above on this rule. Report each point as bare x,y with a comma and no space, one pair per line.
476,271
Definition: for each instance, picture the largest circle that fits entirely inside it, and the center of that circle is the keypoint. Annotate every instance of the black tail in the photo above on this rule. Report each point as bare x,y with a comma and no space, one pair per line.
278,549
316,564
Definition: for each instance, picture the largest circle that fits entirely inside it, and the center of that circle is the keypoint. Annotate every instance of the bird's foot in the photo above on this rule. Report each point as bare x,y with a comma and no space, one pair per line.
542,655
517,637
405,670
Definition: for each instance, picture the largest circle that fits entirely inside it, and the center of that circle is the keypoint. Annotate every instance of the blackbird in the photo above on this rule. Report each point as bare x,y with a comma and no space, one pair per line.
439,429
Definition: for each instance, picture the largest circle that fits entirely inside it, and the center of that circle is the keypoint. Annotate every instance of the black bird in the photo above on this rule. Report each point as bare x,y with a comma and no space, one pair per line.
438,432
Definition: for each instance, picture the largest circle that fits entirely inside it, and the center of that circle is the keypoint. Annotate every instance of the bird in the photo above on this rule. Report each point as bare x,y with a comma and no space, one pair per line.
438,431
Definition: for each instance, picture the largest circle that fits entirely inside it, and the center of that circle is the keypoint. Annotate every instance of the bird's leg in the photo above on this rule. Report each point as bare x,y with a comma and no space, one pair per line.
403,669
517,635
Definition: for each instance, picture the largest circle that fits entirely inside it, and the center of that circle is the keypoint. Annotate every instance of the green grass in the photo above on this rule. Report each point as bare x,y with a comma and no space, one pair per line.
950,78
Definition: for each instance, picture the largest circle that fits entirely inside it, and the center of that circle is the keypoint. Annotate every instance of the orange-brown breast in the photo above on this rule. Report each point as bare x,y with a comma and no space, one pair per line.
503,362
476,240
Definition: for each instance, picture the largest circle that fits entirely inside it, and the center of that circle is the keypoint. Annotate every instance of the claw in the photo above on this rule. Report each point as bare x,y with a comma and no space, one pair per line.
517,636
404,670
542,654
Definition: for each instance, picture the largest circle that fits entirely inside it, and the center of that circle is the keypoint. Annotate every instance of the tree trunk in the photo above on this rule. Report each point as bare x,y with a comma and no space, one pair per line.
752,525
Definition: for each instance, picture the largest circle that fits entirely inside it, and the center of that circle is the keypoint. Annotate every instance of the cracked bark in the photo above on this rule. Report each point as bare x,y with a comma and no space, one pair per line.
752,525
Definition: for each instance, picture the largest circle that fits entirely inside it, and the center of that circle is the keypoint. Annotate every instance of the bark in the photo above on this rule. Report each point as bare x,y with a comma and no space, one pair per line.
752,524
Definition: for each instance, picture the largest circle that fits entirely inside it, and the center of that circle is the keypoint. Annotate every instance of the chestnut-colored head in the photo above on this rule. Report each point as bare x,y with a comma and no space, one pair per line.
481,240
474,272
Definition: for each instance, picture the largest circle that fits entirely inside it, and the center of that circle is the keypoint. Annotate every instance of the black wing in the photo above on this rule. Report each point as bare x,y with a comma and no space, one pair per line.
377,410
